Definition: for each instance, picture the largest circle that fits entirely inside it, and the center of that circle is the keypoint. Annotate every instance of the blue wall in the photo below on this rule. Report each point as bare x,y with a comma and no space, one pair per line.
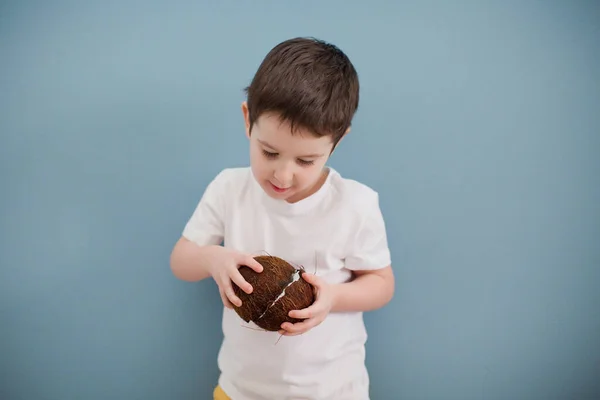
479,125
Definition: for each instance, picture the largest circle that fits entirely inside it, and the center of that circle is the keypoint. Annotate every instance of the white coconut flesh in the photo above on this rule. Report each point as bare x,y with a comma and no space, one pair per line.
295,277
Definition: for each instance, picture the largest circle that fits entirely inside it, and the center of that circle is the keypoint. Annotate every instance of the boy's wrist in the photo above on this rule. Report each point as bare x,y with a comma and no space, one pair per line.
337,293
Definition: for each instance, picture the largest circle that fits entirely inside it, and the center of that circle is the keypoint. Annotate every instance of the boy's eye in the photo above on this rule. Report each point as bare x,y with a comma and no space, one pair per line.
268,154
305,162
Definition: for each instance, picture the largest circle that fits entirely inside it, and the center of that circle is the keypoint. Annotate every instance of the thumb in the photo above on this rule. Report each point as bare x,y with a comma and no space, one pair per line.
312,279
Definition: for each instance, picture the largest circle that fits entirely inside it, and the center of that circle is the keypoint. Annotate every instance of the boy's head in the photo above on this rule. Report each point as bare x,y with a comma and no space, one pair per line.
300,104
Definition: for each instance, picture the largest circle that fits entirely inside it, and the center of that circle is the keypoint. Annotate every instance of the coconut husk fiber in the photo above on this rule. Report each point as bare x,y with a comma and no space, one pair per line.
277,290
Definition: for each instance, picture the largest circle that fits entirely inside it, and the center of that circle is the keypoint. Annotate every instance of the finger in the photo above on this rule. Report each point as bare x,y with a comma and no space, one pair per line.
252,263
306,313
285,332
225,300
312,279
299,327
239,280
229,293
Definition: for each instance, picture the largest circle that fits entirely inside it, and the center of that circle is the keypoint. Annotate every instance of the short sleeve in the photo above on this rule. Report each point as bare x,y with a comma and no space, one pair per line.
206,225
369,250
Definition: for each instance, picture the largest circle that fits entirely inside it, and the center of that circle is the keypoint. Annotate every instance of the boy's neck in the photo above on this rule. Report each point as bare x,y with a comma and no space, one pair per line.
314,189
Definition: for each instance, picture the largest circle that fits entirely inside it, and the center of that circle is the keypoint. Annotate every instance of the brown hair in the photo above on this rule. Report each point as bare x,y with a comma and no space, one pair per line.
310,83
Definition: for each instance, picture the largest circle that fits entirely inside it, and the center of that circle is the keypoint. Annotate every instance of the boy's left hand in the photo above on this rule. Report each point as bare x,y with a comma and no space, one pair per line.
316,313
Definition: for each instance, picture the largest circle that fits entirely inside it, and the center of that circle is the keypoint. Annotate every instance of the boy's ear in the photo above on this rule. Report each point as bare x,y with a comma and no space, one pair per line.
246,115
345,134
338,142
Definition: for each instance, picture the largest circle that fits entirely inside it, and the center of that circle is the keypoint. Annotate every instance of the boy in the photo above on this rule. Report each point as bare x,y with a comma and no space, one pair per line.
289,204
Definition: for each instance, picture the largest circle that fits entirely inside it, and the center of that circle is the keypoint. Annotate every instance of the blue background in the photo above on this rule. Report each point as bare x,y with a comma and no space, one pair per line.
479,125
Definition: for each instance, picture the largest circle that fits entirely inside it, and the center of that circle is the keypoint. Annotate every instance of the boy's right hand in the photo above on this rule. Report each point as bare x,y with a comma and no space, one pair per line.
224,267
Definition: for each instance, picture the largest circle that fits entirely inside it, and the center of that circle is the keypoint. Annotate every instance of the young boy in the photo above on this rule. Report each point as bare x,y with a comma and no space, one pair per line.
289,204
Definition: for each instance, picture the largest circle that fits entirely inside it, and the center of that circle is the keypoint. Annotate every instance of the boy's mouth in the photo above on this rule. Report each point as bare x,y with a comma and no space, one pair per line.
278,189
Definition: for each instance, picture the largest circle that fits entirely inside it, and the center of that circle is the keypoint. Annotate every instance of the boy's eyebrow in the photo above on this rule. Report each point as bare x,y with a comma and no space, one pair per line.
274,149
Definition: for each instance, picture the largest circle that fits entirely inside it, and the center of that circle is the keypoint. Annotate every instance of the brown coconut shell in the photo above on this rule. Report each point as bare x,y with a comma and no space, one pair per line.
266,306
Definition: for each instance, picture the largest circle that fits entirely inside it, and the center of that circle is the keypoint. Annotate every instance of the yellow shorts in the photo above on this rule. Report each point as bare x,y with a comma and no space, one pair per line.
219,394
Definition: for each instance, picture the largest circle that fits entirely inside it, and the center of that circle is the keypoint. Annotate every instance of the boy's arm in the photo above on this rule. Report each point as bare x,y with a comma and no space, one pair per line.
369,290
189,262
202,234
369,259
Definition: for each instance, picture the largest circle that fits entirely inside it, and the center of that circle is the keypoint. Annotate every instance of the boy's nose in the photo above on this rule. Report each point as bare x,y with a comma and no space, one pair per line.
284,176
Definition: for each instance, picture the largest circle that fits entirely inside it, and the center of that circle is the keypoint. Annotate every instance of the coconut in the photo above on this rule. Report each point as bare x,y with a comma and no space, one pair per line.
277,290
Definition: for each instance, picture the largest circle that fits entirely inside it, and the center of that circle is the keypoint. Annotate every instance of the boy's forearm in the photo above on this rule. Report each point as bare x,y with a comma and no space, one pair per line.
366,292
189,261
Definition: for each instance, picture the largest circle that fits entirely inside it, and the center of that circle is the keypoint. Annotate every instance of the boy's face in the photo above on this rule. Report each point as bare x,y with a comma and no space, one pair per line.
287,167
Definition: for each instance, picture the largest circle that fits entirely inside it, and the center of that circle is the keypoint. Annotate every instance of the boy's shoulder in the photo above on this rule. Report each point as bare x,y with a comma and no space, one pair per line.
353,193
233,173
231,177
227,184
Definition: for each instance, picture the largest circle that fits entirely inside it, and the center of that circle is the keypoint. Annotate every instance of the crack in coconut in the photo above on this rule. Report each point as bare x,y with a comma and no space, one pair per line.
295,277
278,289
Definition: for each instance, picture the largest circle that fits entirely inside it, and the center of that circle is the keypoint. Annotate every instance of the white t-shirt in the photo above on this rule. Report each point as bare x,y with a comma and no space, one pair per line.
341,228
